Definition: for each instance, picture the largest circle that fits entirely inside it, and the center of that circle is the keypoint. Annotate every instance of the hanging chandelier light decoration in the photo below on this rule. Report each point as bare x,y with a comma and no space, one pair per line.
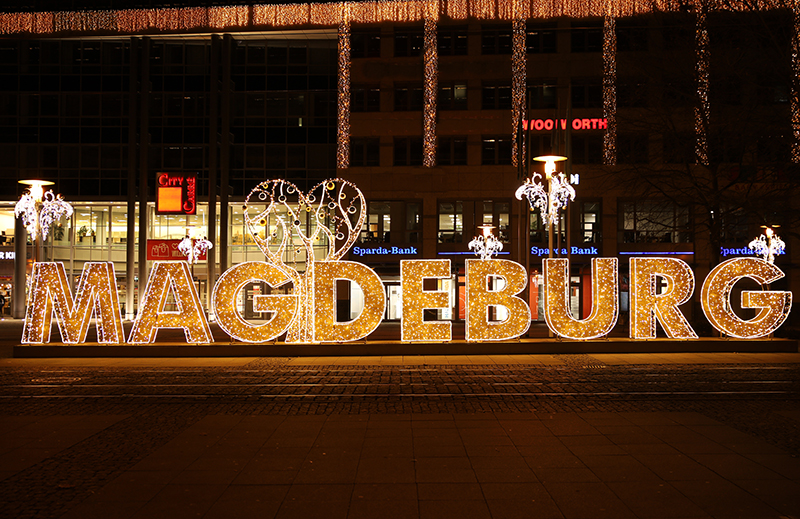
549,201
486,244
40,210
194,247
768,245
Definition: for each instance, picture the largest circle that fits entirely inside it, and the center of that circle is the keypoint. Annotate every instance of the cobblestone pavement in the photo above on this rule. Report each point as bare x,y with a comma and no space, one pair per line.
125,415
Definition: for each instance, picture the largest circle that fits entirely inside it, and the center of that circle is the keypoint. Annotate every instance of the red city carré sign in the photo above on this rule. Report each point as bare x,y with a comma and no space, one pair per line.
176,193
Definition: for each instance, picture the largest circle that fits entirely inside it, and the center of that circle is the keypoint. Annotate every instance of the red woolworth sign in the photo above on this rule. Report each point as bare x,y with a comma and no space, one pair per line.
165,250
562,124
176,193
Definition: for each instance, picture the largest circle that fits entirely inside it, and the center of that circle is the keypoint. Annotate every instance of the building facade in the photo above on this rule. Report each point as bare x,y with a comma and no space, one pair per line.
677,126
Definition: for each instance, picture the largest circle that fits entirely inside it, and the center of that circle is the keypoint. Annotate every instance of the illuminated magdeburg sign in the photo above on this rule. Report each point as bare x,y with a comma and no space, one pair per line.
321,226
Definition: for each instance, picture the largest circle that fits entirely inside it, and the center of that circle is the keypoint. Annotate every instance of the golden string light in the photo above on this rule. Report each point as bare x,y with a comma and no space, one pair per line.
519,85
702,113
509,279
610,90
96,295
226,295
647,304
431,86
413,326
795,95
170,278
343,117
773,306
327,328
330,14
605,295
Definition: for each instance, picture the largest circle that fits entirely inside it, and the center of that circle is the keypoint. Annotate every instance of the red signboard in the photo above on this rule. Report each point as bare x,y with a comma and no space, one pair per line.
176,193
563,124
165,250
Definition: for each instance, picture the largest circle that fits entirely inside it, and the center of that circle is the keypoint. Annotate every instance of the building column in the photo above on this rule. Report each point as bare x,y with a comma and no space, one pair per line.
225,151
18,302
213,145
130,244
144,141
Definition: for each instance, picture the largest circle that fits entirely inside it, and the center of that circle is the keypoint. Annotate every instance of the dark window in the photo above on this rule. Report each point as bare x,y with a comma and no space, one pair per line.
408,98
365,98
451,151
632,149
364,152
679,149
541,39
365,44
542,93
496,150
408,43
726,91
773,148
452,95
587,149
587,93
408,151
496,96
632,92
452,41
631,38
587,37
678,35
678,92
726,148
496,39
654,221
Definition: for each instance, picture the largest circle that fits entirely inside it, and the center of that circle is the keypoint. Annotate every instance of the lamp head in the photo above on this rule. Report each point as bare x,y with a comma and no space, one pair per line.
487,230
549,163
36,188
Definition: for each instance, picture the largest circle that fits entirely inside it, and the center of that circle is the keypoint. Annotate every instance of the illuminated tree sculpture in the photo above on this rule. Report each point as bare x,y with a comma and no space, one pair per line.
295,230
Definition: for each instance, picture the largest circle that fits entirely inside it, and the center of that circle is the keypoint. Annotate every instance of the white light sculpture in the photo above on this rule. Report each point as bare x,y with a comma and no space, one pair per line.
768,245
486,244
558,193
39,210
193,246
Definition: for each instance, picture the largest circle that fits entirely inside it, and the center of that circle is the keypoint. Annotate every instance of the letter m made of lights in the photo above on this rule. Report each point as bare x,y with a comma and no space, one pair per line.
295,230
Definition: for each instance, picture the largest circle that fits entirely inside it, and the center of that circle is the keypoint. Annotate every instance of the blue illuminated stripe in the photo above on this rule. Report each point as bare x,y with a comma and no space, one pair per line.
467,253
655,253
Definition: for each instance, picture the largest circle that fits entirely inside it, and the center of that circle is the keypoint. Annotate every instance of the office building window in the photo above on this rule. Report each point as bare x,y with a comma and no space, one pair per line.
496,39
365,44
452,40
632,148
451,151
631,38
496,96
591,231
541,39
587,149
587,93
542,93
654,221
408,151
365,98
498,215
586,37
451,222
408,43
364,152
496,150
452,95
408,98
632,92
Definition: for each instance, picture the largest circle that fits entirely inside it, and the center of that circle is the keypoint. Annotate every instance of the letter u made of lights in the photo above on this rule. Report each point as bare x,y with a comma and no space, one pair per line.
480,298
647,304
326,327
773,306
170,277
225,300
416,300
605,297
96,293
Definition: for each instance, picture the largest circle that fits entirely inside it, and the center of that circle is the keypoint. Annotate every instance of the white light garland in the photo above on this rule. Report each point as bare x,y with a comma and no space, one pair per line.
194,247
343,96
647,304
39,211
549,201
768,245
327,328
413,326
610,90
480,299
430,91
702,113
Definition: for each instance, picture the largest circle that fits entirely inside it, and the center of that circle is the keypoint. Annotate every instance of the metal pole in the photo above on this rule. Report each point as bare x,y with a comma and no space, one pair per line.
213,146
143,145
20,267
130,231
227,42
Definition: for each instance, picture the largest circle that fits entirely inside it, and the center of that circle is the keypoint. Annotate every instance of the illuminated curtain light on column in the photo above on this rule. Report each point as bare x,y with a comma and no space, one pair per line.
480,298
610,89
431,87
647,304
170,277
416,300
795,99
773,306
519,81
327,329
702,112
225,301
343,119
605,297
96,295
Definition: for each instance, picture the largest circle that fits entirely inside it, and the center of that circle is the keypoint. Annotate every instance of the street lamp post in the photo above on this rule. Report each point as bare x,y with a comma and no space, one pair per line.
486,244
550,200
39,210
